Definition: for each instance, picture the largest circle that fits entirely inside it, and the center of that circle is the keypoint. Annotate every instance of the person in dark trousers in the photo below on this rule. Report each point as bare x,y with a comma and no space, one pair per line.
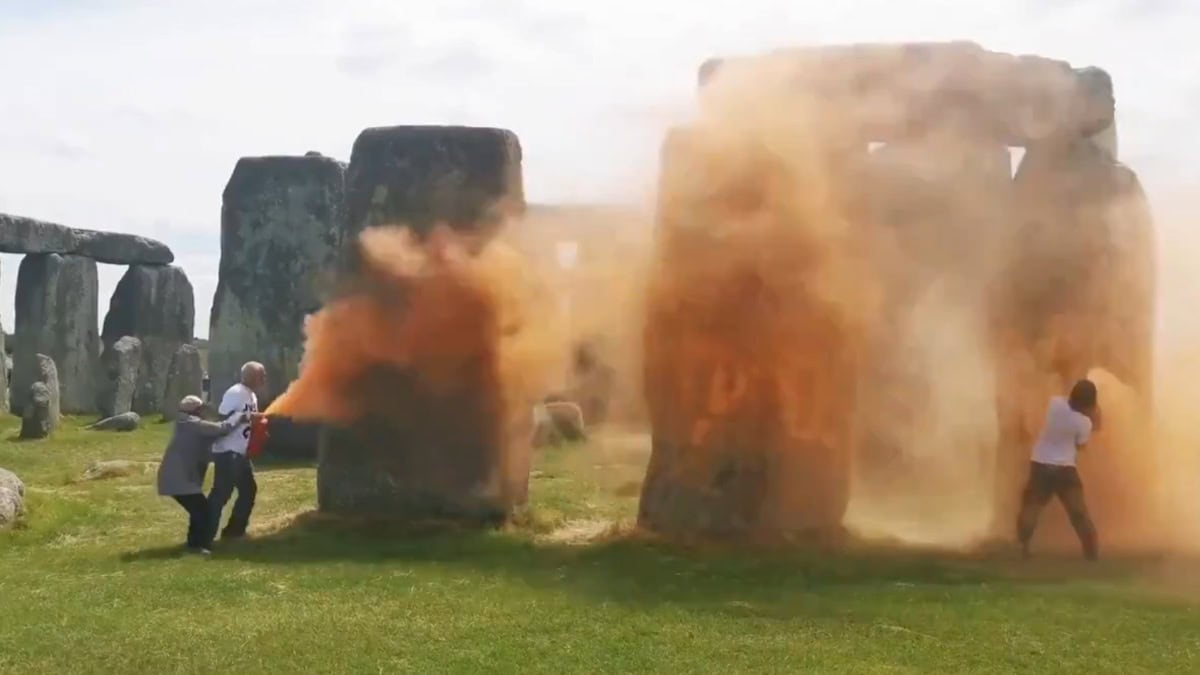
1069,425
232,469
184,463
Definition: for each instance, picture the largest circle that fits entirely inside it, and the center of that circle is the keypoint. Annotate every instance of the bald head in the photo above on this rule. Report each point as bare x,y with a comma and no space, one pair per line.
254,375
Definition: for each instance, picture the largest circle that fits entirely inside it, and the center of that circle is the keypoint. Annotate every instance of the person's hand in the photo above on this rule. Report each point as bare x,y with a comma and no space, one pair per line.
256,416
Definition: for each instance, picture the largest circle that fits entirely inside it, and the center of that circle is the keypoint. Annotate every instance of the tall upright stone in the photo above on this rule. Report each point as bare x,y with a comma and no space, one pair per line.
57,307
281,223
3,373
184,378
419,176
417,453
119,367
1080,295
42,410
155,304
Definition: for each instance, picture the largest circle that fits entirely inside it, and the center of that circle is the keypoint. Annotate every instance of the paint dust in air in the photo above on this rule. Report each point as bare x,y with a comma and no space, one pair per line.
429,309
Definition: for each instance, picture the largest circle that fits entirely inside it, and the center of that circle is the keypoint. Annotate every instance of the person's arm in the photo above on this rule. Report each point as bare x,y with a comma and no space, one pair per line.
205,429
1084,433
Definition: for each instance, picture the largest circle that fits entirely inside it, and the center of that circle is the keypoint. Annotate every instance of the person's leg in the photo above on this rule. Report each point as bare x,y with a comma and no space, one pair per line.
1037,493
247,489
224,480
1070,493
197,507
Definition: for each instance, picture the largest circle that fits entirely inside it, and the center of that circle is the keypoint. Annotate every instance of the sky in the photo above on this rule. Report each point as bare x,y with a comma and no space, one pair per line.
128,115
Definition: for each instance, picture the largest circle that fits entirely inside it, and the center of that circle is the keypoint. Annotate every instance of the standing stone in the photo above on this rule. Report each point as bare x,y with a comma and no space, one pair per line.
119,365
749,440
3,373
41,413
156,305
57,316
419,454
419,176
281,221
1080,295
185,377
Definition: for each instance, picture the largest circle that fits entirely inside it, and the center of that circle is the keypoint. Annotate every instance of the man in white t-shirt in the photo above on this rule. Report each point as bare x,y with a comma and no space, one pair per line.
1069,425
232,468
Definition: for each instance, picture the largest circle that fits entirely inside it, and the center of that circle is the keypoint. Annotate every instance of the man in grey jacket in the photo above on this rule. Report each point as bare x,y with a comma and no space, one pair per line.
181,473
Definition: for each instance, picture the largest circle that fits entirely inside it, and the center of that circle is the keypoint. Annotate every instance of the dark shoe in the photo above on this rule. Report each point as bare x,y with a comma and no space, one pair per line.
199,550
232,536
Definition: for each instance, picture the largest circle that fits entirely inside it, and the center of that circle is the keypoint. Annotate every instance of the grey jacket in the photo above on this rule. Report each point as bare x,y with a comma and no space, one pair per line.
187,456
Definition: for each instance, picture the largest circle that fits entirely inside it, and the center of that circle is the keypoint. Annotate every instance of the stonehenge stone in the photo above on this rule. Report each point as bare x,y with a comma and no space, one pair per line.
119,366
26,235
10,481
113,468
1080,295
882,89
467,177
289,439
12,498
126,421
156,305
38,419
281,224
185,377
416,453
420,456
751,384
56,312
3,374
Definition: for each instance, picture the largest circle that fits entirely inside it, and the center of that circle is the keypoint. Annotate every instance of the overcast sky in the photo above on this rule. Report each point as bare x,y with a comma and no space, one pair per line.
128,115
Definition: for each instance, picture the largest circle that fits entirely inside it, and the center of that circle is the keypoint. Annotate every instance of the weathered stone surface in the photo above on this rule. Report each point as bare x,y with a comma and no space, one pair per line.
127,421
119,367
281,222
556,421
3,373
417,454
10,481
886,89
26,235
12,498
291,440
114,468
1080,294
38,420
185,377
57,316
750,385
157,306
419,176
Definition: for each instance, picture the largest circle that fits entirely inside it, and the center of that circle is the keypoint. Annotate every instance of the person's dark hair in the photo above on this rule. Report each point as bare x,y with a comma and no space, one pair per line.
1083,396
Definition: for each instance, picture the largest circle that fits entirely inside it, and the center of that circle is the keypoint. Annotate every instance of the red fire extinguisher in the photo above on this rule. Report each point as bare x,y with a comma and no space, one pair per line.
258,437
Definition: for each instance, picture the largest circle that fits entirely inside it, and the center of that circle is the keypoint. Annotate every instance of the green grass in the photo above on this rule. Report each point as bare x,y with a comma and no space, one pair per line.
91,583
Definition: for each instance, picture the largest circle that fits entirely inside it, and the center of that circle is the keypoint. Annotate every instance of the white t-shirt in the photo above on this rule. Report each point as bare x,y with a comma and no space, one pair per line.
237,399
1064,431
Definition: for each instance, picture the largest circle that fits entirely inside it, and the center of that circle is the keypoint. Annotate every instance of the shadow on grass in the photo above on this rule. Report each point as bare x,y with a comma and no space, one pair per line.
640,571
156,553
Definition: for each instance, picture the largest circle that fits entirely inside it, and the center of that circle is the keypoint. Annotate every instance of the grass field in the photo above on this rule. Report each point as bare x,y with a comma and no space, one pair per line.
91,582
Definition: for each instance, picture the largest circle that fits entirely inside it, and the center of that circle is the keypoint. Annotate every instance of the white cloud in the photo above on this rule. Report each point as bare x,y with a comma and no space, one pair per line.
130,115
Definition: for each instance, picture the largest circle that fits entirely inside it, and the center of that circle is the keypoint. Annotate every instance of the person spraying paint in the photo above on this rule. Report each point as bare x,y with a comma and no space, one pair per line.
1069,425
